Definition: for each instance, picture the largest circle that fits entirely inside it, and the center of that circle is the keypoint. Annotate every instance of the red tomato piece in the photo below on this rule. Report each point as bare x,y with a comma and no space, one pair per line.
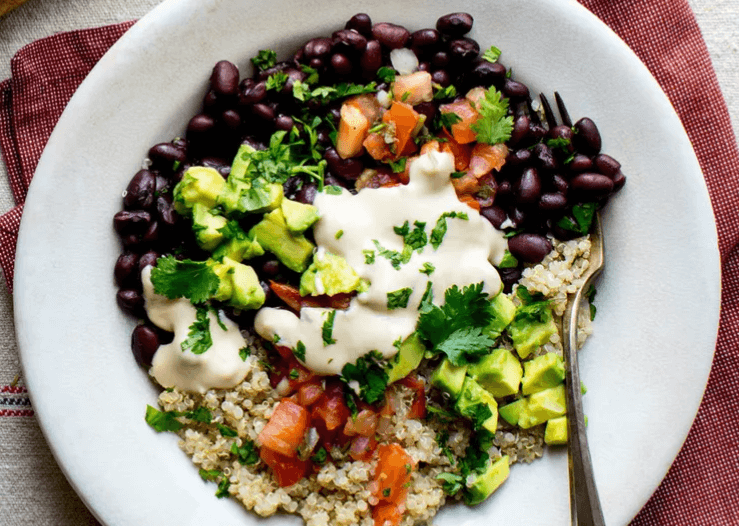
418,408
393,473
285,430
287,470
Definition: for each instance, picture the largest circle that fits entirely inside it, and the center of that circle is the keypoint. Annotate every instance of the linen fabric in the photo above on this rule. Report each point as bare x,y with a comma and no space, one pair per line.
702,487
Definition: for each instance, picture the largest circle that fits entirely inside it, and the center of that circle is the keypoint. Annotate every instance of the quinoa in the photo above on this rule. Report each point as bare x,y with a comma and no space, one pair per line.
340,492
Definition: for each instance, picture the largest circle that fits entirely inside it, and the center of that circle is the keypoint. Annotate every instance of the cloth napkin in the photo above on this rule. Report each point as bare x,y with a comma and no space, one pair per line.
702,487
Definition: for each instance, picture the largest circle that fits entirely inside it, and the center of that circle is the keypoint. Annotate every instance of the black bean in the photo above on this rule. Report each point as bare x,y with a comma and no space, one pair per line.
200,124
591,185
371,59
425,40
488,74
560,184
517,216
440,60
125,268
504,193
127,222
424,66
362,23
428,109
222,166
520,129
271,267
346,168
211,101
131,301
144,343
587,139
536,133
148,259
619,180
455,24
316,63
284,122
544,157
564,135
231,119
510,277
529,248
254,94
551,202
392,36
152,233
317,48
580,163
348,41
518,158
225,78
515,90
341,64
140,191
307,194
165,154
495,214
263,112
464,49
441,77
254,143
606,165
562,233
528,188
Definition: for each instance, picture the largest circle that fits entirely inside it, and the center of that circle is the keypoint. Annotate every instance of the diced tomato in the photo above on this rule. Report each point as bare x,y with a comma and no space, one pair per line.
387,512
285,352
357,114
287,470
462,129
418,408
405,119
363,448
291,296
286,428
331,407
392,475
310,392
461,152
414,88
364,424
467,184
377,148
487,157
470,201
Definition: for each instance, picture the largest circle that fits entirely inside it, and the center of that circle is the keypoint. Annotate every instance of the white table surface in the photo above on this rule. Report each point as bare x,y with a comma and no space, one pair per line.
33,490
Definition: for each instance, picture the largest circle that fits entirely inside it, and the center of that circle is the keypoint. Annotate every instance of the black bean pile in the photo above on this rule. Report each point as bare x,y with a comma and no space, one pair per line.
552,165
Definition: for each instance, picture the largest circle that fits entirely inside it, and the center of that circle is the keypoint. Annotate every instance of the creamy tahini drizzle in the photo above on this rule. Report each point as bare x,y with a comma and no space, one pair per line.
466,256
220,367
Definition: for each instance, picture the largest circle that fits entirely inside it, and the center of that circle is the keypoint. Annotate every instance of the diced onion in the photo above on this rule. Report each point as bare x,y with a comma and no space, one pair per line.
404,60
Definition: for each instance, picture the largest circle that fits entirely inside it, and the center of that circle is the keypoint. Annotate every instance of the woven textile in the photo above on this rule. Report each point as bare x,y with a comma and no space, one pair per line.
702,487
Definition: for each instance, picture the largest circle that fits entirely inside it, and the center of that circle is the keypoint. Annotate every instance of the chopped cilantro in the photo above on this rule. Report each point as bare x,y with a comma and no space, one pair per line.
276,338
311,72
301,91
399,299
428,296
399,165
590,294
439,230
210,475
369,257
447,120
162,420
222,491
404,96
386,74
328,328
320,456
218,319
508,261
369,373
244,353
332,189
276,81
492,54
427,269
338,234
561,143
457,175
480,413
193,280
294,374
395,257
226,431
534,309
199,338
583,215
247,454
386,492
451,483
265,59
444,93
299,351
494,124
201,414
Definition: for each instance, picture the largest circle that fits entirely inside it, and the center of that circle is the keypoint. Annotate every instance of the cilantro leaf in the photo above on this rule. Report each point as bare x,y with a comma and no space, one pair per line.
201,414
494,125
162,420
301,90
446,120
399,165
333,190
226,431
199,338
492,54
465,343
222,491
427,298
244,353
444,93
583,215
276,81
399,299
247,454
534,308
328,328
265,59
427,269
439,230
479,414
452,483
193,280
210,475
395,257
369,257
369,373
299,351
508,261
386,74
590,294
320,456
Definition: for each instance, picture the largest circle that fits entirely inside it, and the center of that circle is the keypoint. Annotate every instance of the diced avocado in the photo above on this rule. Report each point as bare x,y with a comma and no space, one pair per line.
253,197
484,484
499,373
556,431
238,245
199,184
243,283
298,216
449,378
471,397
293,250
328,274
409,356
206,225
542,373
542,406
528,334
503,312
242,162
512,412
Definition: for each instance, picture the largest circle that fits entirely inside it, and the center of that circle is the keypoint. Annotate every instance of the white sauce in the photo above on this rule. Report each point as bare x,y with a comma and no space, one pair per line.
466,256
220,367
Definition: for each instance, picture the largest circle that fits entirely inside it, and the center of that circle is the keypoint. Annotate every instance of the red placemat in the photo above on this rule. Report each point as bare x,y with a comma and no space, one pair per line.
702,487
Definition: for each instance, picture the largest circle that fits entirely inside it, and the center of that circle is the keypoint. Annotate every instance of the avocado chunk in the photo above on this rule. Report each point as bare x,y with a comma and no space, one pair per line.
328,274
555,434
293,250
504,311
206,226
531,332
499,373
239,285
298,216
512,412
241,197
408,357
199,184
484,484
237,244
473,401
449,378
542,406
542,373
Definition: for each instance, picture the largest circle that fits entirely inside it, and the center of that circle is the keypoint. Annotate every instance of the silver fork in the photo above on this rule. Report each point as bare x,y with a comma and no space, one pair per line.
585,508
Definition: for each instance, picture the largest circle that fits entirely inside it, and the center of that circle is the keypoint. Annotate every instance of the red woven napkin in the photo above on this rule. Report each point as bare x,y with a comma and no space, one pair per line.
702,487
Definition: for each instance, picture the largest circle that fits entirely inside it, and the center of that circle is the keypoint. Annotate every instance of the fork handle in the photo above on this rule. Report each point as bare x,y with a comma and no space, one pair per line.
585,508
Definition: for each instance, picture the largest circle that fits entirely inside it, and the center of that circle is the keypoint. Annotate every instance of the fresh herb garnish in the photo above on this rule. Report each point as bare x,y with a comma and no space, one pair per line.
320,456
399,165
294,374
369,373
209,475
427,269
247,454
199,338
492,54
222,491
590,294
167,420
328,328
446,120
276,81
583,215
494,124
386,74
428,296
457,175
299,351
265,59
369,257
332,189
244,353
395,257
399,299
444,93
508,261
439,230
194,280
561,143
226,431
338,234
